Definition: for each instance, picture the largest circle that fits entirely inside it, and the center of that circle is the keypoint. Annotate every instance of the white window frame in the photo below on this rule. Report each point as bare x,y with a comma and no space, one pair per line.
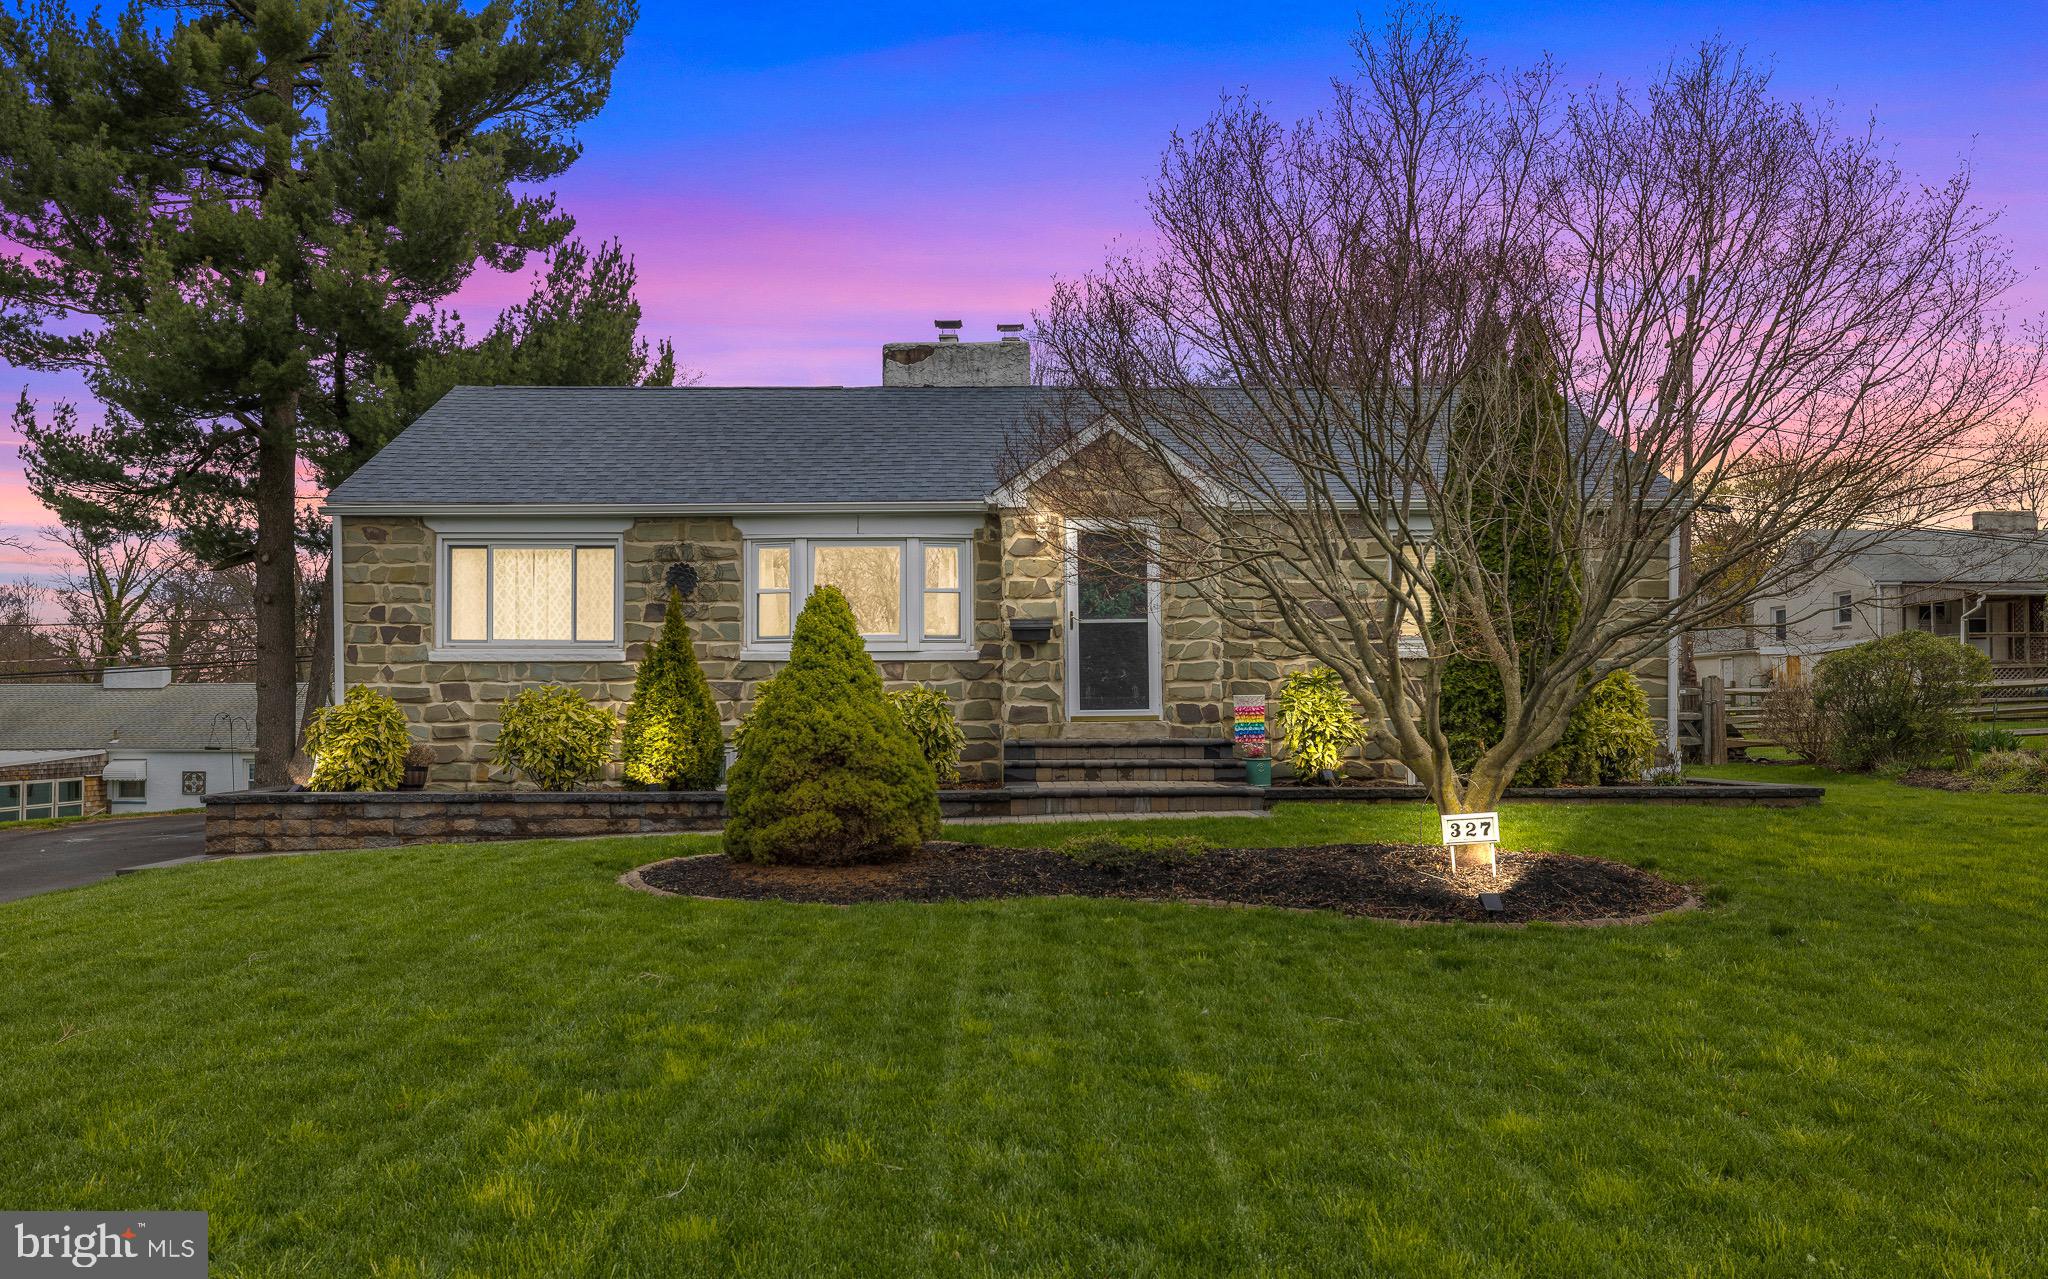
450,534
1845,609
56,805
1781,626
909,534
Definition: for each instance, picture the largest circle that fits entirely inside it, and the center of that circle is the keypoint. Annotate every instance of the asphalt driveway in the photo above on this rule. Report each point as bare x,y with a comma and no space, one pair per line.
41,861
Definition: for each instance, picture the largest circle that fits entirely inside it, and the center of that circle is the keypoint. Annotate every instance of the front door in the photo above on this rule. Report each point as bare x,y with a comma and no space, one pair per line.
1112,626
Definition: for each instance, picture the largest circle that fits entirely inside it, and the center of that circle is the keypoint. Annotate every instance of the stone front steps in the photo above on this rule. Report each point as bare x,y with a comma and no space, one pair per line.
1093,777
1142,759
1094,799
1054,769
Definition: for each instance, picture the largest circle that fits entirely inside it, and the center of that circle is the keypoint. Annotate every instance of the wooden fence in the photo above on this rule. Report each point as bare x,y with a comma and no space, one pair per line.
1717,723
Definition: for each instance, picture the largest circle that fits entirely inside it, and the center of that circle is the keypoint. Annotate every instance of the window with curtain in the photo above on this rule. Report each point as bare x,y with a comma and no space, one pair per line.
527,593
906,593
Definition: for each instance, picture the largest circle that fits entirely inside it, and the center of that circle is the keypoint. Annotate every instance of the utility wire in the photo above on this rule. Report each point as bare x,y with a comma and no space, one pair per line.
83,672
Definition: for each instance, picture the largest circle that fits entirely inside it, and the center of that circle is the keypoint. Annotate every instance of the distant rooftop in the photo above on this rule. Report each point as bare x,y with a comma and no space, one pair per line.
46,717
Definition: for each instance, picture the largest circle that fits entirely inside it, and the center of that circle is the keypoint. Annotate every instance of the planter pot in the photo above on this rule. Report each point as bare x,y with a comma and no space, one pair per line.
1258,772
415,777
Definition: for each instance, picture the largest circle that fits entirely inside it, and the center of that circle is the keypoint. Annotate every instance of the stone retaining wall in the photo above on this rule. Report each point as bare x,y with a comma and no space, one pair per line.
267,821
295,821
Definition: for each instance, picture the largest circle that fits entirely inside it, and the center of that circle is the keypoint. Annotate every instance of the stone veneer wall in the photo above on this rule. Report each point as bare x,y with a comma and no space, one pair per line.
388,622
1008,691
1196,654
1209,663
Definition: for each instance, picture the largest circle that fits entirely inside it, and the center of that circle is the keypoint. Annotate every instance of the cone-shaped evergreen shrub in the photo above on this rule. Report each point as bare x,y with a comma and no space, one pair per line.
673,739
827,774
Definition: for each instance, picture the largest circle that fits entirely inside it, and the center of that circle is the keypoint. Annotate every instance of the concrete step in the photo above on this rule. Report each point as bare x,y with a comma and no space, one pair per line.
1120,748
1089,799
1108,768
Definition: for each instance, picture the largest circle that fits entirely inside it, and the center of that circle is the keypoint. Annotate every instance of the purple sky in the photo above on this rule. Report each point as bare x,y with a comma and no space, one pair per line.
800,185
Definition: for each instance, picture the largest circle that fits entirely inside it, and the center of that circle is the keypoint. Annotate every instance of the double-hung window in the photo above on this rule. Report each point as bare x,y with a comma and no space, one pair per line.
530,592
1845,609
910,594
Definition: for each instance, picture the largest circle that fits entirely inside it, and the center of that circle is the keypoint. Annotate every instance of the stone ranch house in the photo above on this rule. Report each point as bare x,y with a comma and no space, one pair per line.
516,536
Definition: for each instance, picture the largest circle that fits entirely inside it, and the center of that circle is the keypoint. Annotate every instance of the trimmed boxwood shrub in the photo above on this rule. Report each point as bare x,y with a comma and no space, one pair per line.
359,745
554,736
1610,736
673,738
827,773
928,714
1898,701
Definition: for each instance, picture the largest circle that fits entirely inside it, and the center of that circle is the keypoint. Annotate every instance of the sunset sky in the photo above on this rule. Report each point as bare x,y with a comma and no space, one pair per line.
800,184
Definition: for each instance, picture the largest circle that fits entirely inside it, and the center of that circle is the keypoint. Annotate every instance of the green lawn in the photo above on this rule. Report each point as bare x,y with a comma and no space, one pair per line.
493,1061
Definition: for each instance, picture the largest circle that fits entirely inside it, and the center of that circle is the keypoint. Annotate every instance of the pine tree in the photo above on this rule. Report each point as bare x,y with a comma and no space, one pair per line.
674,739
580,326
259,205
827,773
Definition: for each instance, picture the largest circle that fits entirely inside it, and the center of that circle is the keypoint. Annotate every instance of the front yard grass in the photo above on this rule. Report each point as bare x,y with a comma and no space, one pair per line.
494,1061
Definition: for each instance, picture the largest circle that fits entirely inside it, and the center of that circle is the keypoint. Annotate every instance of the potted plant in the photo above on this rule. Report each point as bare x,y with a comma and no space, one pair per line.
1250,734
418,758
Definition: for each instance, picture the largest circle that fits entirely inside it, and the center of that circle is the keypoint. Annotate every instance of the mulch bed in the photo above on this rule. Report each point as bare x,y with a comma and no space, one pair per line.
1945,779
1381,881
1938,779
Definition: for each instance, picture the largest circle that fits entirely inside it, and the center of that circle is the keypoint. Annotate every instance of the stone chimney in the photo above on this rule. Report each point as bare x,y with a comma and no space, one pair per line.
951,362
136,677
2005,522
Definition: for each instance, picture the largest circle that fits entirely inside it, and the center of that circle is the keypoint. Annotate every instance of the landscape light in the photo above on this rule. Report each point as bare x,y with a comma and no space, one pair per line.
1493,903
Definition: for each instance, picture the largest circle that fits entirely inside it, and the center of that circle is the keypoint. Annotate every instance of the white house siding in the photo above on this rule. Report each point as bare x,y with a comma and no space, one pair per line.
165,772
1751,655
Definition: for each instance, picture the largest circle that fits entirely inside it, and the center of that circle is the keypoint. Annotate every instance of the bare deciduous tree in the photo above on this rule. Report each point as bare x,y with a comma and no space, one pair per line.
1297,396
105,591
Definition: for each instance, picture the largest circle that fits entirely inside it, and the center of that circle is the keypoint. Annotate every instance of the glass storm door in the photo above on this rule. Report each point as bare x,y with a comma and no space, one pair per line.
1113,656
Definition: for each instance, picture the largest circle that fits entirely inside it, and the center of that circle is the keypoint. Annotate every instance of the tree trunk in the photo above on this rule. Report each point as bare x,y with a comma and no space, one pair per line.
277,583
1478,792
320,670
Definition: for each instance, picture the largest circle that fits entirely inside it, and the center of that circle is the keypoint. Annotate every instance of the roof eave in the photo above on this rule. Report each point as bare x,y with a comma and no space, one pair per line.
646,508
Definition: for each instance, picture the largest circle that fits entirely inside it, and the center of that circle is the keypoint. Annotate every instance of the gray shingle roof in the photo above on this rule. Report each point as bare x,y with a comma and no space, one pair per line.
727,447
1958,556
696,446
90,717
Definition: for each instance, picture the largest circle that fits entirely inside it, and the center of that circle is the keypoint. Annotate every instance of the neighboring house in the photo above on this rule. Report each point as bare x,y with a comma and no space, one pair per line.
516,536
1986,585
159,745
59,783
